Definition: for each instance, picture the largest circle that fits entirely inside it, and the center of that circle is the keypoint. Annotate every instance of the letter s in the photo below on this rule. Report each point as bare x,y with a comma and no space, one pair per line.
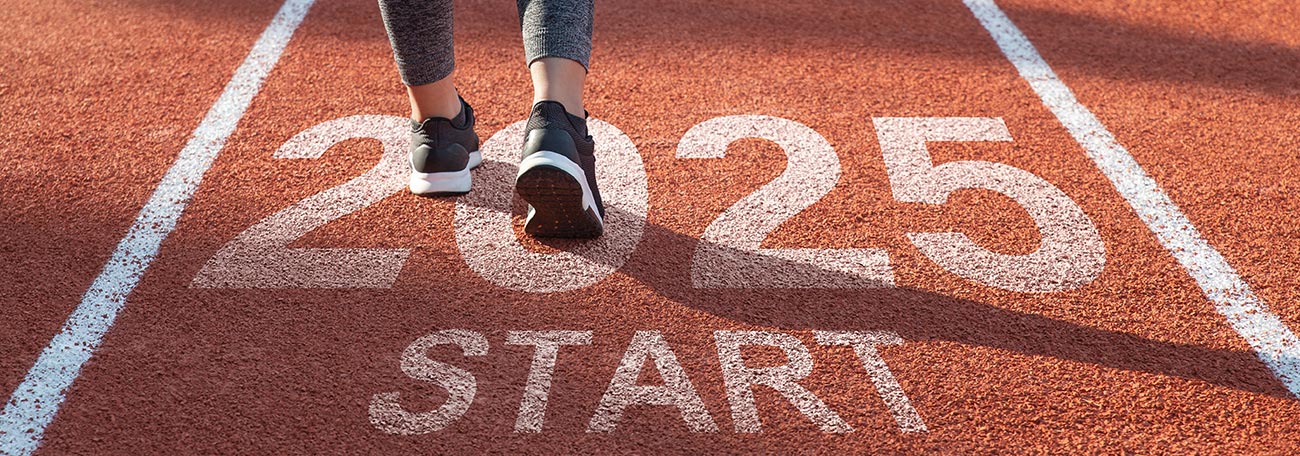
386,412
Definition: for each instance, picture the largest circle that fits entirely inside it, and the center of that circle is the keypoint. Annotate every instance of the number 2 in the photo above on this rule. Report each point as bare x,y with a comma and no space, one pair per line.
259,258
729,254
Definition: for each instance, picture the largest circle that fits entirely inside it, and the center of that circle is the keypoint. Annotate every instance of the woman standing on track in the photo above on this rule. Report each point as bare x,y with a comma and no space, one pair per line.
557,172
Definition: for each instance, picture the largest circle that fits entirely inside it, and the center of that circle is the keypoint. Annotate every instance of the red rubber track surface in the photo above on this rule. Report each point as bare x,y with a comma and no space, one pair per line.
97,98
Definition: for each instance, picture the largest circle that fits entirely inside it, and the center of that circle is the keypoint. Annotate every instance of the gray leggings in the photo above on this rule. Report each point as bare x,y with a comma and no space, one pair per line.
420,32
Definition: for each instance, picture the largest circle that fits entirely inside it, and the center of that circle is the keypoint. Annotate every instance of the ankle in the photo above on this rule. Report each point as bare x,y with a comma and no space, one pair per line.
422,112
439,99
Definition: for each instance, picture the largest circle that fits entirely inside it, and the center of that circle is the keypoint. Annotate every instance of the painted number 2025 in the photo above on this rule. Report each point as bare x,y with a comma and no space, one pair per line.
728,255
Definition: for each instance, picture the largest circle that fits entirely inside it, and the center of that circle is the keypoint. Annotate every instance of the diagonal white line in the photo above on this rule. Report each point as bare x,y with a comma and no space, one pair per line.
36,400
1274,342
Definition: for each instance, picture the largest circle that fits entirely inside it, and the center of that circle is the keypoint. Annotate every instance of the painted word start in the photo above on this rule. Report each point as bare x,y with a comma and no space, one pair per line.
388,415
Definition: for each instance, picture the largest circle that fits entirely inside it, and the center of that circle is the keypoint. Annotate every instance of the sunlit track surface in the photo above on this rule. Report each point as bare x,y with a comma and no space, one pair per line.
886,232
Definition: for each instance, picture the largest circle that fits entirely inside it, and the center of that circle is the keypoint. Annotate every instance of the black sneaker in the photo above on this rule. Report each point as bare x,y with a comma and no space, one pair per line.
442,153
557,176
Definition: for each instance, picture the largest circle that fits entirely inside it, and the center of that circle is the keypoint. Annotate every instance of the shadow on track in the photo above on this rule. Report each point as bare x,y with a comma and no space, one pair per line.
663,260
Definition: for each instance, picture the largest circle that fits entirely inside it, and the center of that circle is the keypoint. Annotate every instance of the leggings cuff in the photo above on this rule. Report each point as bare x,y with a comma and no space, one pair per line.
421,73
544,47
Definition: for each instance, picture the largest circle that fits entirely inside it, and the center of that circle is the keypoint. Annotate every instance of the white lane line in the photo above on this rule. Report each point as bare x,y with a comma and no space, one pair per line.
36,400
1272,340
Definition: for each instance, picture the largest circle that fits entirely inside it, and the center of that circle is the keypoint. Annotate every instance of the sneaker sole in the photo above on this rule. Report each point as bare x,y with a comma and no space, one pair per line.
560,203
445,183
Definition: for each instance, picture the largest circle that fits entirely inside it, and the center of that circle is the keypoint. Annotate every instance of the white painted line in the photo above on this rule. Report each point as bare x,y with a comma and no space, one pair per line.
1272,340
36,400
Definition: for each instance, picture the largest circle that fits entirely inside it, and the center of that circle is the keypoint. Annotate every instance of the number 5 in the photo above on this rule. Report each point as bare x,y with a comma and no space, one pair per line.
1071,254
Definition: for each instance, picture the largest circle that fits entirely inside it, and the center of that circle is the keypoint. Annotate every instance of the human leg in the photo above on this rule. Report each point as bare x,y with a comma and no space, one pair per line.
444,146
557,48
557,173
420,32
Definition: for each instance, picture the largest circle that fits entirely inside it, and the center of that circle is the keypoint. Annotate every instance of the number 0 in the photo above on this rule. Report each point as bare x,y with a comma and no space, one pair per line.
485,232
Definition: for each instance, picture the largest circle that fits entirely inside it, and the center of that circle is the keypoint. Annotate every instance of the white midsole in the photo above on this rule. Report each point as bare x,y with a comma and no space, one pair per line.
445,182
552,159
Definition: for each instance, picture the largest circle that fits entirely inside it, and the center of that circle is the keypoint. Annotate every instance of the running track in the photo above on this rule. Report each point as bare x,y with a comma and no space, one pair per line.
1161,321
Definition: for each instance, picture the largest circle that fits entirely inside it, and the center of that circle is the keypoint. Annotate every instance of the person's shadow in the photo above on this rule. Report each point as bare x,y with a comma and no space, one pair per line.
663,259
